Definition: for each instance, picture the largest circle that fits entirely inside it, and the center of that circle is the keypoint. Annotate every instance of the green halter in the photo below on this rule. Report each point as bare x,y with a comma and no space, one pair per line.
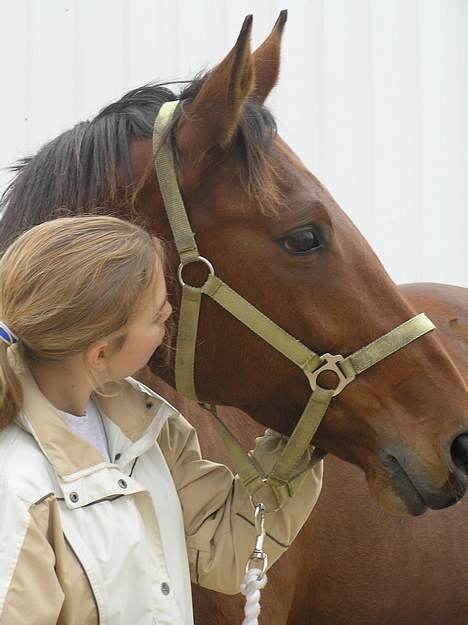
284,479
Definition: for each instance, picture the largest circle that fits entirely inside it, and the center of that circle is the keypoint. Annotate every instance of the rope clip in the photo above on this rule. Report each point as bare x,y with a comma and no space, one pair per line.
258,555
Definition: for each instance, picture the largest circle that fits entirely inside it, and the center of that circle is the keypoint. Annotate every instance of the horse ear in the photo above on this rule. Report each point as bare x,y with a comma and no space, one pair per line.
213,116
266,59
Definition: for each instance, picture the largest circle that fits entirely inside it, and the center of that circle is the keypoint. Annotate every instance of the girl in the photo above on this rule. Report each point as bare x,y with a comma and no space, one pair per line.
107,508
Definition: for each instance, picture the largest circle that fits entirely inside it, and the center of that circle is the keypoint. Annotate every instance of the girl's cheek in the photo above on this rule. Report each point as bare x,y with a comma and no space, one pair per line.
159,336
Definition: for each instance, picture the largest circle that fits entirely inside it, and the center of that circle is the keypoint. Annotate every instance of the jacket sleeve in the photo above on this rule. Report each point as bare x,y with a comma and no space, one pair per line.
30,593
218,515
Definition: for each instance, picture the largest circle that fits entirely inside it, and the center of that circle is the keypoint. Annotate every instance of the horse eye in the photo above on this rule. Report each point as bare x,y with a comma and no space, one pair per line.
300,242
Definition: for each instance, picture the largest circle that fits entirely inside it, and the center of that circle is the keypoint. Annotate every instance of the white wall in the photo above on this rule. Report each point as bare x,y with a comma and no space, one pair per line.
373,97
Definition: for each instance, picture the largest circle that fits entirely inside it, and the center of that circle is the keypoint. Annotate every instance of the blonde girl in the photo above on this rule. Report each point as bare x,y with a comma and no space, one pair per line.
107,508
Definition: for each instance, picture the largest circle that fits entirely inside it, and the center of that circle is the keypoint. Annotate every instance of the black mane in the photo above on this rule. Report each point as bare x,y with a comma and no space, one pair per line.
81,170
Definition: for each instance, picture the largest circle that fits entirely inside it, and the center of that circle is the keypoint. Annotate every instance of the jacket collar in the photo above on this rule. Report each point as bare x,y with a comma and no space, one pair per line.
133,416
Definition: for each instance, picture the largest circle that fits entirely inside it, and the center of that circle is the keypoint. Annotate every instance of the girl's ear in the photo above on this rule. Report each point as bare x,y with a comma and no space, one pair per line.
97,356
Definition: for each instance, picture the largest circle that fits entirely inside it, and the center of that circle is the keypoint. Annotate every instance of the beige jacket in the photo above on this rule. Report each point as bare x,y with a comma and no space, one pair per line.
86,542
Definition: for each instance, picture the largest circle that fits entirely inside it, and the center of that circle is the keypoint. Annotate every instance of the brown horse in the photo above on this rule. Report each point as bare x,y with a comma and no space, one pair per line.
352,563
276,235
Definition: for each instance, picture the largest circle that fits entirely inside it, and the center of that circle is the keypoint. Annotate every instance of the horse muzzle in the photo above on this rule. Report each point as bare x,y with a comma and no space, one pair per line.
415,486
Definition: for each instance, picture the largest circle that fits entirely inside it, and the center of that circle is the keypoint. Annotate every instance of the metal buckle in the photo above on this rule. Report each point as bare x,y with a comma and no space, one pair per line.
189,261
330,365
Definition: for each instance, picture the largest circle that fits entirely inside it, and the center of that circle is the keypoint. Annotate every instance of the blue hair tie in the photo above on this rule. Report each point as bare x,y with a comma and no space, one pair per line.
6,335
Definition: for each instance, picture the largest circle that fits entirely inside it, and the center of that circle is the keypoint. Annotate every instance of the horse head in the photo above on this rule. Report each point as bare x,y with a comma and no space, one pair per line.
276,236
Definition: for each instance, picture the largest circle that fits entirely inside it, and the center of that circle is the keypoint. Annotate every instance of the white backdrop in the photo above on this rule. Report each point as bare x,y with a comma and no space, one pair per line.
373,97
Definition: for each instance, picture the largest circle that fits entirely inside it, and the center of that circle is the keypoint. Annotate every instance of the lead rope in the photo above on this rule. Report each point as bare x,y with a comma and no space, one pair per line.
255,578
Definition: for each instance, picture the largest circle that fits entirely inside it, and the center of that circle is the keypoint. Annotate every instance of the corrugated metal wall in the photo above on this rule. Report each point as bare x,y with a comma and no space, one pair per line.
373,97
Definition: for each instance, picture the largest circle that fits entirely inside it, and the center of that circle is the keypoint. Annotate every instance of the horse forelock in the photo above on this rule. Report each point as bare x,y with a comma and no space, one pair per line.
87,169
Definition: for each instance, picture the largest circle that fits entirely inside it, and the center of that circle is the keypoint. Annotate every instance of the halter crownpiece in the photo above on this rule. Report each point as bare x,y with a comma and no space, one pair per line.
283,480
6,335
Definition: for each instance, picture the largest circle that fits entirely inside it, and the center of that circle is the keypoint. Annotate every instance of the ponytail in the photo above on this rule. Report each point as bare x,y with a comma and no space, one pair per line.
11,395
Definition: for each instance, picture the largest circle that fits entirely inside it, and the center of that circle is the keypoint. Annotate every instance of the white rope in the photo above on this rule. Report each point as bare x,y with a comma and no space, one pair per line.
254,581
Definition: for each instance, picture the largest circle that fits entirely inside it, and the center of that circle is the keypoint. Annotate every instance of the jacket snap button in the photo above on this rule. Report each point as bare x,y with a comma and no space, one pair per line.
122,484
165,588
74,497
149,404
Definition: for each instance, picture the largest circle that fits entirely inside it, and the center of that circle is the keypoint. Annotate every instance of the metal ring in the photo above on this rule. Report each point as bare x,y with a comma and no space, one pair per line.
189,261
330,365
263,558
266,510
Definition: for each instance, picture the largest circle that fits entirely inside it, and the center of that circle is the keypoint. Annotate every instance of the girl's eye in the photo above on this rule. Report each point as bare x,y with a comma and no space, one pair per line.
302,241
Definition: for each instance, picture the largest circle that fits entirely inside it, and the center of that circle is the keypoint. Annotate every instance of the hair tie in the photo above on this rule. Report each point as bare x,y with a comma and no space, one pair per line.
6,335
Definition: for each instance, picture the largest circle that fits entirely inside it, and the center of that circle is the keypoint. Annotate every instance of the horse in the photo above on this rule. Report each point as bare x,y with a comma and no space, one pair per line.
276,235
352,563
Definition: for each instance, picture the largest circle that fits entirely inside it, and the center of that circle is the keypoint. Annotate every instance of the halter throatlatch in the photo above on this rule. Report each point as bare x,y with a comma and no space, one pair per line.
284,480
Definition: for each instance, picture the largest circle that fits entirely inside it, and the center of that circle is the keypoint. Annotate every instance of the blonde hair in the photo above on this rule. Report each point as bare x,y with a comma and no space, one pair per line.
67,283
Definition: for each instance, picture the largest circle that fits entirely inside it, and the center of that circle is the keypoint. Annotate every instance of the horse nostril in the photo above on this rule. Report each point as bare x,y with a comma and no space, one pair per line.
459,452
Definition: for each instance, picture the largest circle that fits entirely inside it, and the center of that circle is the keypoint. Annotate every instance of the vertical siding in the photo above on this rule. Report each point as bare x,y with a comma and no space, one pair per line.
396,156
443,154
373,97
345,128
15,30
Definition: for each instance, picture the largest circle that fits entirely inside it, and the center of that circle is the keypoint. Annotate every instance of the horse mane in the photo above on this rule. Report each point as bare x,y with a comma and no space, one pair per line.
87,169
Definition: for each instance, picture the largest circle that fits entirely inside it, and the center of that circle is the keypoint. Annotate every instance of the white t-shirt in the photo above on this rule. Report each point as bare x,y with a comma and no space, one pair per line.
89,427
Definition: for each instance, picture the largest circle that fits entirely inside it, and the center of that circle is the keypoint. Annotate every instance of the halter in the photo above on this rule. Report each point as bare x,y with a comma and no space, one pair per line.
282,481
